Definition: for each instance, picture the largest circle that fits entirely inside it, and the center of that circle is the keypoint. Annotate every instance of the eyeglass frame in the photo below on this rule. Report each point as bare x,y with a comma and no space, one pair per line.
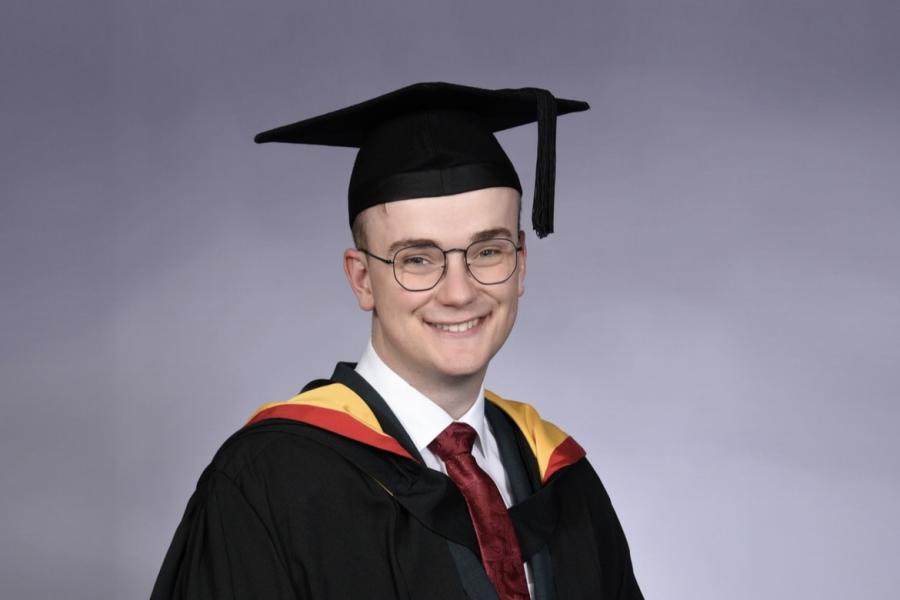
465,251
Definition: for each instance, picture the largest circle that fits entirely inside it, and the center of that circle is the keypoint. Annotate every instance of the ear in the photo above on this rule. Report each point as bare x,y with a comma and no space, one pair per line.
356,268
523,255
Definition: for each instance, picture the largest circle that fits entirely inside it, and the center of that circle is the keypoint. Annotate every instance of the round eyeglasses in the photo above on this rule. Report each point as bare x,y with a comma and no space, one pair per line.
419,268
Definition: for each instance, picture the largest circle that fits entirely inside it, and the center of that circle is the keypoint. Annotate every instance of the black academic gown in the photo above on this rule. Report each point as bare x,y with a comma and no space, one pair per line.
288,510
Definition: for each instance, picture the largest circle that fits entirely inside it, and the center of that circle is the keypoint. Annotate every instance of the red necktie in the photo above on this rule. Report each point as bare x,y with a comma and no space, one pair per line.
497,540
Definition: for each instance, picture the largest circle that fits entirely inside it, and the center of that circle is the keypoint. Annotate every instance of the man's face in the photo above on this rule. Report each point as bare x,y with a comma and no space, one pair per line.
410,329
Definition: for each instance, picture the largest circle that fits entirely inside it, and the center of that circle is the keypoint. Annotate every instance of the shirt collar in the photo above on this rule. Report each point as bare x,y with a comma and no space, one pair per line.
422,419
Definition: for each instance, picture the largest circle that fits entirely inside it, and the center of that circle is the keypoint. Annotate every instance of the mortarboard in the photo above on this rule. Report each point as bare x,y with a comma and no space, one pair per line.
437,139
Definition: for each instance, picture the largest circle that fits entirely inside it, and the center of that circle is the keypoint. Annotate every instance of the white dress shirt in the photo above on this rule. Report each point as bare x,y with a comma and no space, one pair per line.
423,420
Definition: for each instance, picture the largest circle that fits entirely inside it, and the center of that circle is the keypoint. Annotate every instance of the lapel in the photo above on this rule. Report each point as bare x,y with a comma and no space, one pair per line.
428,495
524,479
346,374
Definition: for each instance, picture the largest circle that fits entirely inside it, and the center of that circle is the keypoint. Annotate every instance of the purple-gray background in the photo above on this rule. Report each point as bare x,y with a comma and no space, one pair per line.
717,319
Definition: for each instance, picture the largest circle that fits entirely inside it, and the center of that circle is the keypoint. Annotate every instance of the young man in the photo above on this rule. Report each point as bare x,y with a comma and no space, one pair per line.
401,476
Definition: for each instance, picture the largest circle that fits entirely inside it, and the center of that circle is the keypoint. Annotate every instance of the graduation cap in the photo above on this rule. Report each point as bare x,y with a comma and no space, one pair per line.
437,139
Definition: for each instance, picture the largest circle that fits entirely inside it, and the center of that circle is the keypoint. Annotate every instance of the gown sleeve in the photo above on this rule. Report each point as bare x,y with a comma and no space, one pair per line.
622,572
222,550
590,554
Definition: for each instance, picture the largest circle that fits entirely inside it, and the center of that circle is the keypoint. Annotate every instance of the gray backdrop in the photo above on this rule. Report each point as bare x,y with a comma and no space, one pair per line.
717,319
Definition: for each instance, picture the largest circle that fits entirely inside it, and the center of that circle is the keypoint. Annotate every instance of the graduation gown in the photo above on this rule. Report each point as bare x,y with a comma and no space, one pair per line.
325,496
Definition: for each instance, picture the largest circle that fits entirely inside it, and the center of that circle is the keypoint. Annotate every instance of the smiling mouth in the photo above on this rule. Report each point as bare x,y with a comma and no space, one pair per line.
460,327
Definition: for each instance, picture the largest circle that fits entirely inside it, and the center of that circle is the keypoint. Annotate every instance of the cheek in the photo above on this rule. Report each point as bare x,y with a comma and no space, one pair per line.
520,280
383,285
513,310
509,300
393,302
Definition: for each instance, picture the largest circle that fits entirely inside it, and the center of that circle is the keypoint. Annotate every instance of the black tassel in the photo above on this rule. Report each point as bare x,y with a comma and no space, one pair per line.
545,169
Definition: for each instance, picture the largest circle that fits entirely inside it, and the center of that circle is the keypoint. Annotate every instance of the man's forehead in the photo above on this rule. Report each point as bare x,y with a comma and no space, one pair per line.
460,216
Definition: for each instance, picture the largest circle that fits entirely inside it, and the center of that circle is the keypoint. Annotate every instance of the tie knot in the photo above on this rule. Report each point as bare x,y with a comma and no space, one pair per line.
456,439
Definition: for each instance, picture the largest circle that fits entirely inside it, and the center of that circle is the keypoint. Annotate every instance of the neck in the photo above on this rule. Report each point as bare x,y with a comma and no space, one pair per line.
455,394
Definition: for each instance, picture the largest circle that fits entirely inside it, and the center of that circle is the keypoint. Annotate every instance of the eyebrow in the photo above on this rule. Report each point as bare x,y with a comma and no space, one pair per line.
496,232
406,242
477,237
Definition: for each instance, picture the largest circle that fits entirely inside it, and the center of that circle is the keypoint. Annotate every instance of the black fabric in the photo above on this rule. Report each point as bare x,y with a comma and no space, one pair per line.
286,510
437,139
472,576
524,479
466,558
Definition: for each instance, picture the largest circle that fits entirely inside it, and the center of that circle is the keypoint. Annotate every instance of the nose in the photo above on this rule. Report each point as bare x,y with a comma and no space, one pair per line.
457,287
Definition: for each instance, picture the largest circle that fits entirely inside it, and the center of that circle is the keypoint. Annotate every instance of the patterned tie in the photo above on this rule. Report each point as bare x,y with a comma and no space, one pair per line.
497,540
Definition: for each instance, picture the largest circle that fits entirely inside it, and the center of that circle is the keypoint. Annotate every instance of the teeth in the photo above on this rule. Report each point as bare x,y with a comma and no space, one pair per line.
457,327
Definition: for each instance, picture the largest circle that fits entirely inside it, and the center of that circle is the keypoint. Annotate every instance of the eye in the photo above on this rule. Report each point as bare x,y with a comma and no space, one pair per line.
416,260
487,252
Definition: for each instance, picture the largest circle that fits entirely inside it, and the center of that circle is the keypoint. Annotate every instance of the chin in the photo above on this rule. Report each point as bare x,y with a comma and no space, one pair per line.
461,366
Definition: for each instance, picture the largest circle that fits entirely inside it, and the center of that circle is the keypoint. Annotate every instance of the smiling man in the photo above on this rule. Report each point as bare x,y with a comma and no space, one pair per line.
435,324
401,476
